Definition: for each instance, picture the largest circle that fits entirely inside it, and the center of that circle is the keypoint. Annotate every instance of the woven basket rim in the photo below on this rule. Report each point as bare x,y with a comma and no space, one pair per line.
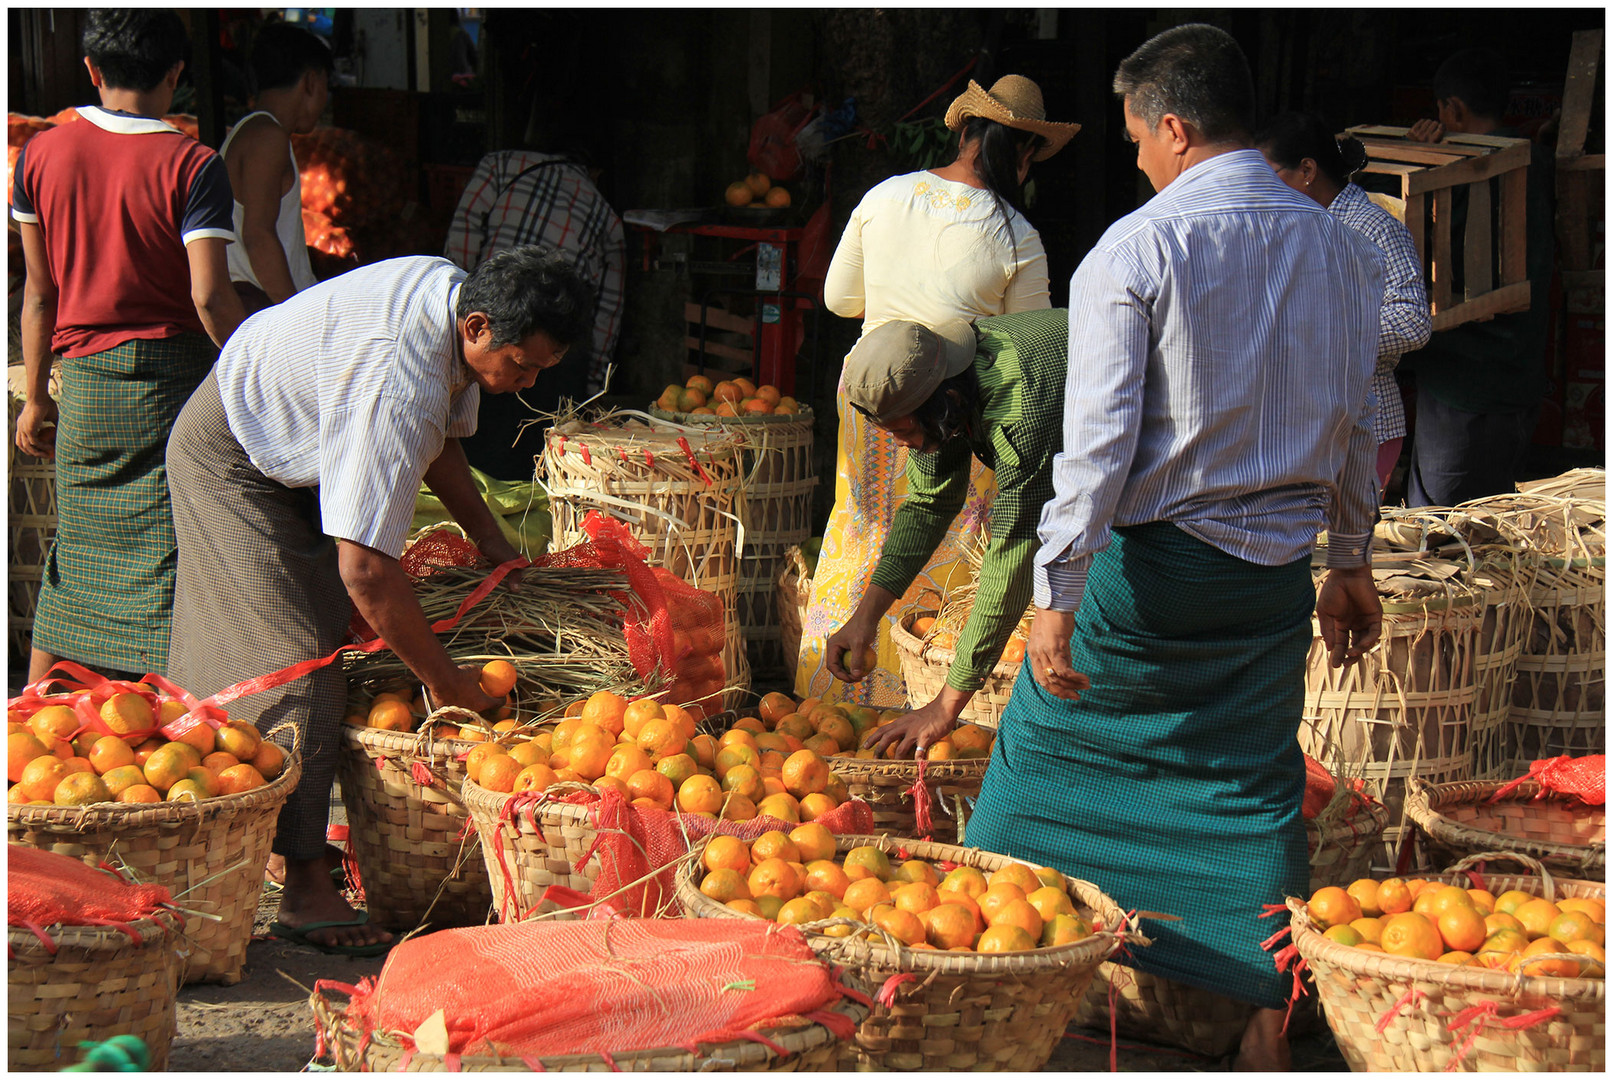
805,415
851,768
1385,967
1424,803
153,930
137,815
1341,824
718,441
1096,947
390,741
936,656
484,804
795,1040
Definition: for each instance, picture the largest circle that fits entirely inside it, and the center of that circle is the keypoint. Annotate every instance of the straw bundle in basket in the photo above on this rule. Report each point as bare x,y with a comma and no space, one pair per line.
91,983
924,670
952,1010
525,853
1395,1014
209,854
30,519
793,592
1342,843
1558,699
679,488
1404,709
809,1047
887,787
1455,820
777,482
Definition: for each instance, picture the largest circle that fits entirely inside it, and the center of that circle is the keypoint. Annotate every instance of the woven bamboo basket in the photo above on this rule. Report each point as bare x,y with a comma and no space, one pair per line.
778,479
680,489
1341,847
808,1048
30,519
524,854
793,593
887,788
1393,1014
956,1010
98,982
924,670
1456,820
210,855
417,858
1404,709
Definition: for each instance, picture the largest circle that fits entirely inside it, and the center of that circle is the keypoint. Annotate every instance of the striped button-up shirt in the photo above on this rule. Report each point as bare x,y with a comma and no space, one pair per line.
352,386
1407,320
518,197
1222,341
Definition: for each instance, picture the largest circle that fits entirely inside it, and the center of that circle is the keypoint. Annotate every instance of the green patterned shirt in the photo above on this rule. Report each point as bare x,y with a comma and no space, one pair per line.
1020,365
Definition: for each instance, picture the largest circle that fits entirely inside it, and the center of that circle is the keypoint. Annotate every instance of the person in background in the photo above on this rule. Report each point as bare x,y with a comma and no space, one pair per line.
1216,416
291,71
1480,384
294,469
519,197
993,395
932,247
124,221
1306,157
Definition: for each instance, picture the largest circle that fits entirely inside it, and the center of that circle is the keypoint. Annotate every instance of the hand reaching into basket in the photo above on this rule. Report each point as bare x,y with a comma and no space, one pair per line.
914,733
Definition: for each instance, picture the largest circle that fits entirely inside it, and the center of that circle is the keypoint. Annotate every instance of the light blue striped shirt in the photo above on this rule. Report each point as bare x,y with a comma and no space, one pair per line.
353,385
1222,341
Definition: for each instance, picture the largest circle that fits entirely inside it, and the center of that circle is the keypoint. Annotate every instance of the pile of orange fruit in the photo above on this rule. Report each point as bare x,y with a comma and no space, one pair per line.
925,629
1430,920
838,729
653,754
756,189
794,878
49,761
730,397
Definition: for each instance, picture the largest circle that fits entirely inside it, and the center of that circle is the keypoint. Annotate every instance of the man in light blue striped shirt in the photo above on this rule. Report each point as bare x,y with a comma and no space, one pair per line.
293,471
1222,342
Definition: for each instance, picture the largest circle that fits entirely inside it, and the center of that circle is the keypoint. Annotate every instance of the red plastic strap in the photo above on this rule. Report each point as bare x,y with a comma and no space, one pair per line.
450,1062
943,88
902,853
649,458
39,932
1403,857
608,1059
841,1025
1536,769
587,459
1479,1016
1114,1037
683,444
1275,938
756,1036
923,823
421,774
408,1055
1475,876
1410,998
622,452
1268,910
533,1064
887,993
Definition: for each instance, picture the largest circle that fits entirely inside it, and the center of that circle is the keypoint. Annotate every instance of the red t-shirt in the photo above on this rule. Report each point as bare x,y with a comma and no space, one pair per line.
116,200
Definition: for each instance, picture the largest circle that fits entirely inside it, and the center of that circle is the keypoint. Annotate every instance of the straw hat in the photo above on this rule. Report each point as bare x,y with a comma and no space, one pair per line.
1016,102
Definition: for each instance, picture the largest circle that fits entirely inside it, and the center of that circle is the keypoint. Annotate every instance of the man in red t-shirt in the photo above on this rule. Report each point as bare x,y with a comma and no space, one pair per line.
124,223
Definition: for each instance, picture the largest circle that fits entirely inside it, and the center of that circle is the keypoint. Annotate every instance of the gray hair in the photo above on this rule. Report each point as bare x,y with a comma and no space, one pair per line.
1195,71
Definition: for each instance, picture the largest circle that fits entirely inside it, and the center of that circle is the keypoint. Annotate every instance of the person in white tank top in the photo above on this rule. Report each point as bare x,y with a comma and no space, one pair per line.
291,71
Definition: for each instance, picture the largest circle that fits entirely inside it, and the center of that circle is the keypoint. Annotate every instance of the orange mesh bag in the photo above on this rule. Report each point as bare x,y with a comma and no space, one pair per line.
436,550
1584,778
44,888
610,986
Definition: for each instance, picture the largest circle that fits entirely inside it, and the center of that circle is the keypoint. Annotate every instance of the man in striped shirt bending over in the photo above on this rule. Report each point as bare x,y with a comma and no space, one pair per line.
293,471
1222,341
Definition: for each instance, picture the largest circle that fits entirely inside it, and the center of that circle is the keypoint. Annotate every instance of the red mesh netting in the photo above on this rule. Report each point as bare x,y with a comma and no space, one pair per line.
44,888
603,987
674,625
1582,777
633,841
436,550
1320,786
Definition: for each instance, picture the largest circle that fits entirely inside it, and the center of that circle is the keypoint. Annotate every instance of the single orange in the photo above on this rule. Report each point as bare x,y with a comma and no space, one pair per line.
21,748
1017,874
391,716
1050,901
949,896
639,712
626,760
904,926
1482,899
40,777
478,757
1594,966
1365,893
867,861
773,708
270,760
606,710
1508,902
81,789
700,795
998,896
109,752
805,773
774,877
1065,929
1590,906
498,678
817,804
1537,916
1005,938
798,911
864,893
1462,927
218,760
57,721
649,784
127,713
917,870
1342,934
813,841
1558,969
749,907
725,885
1018,913
238,738
1410,934
1370,929
828,876
239,778
736,807
1394,896
1332,906
967,880
139,793
915,896
778,804
744,780
534,777
1576,926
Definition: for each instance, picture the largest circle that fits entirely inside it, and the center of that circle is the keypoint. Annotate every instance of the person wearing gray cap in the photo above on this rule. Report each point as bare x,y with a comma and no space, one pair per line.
994,393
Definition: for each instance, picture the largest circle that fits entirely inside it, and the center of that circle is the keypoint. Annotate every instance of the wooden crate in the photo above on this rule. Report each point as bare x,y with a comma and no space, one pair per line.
1581,203
1494,170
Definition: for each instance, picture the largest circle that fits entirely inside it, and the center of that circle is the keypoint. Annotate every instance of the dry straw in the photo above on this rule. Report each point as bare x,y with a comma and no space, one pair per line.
951,1010
1459,819
1397,1014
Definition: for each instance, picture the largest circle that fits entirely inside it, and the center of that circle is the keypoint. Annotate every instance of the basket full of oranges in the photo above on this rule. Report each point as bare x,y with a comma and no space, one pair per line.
1446,974
974,960
926,648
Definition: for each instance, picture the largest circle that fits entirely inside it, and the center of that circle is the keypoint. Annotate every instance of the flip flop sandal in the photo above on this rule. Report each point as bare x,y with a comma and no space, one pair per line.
298,935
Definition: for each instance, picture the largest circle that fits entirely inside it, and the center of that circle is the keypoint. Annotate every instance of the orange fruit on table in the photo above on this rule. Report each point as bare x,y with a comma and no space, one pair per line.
736,807
606,710
239,778
639,712
1462,927
649,784
758,182
1005,938
703,748
1411,934
867,861
590,751
1394,896
738,194
1365,893
773,844
499,773
21,748
774,877
774,707
498,678
904,926
725,885
55,720
777,197
270,760
781,805
744,780
865,893
1537,916
813,841
535,777
1332,906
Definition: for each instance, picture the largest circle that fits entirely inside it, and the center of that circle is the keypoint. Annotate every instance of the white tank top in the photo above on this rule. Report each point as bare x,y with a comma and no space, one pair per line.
287,226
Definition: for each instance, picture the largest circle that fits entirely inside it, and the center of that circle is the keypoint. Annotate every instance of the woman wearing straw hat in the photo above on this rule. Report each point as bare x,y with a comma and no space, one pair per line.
930,247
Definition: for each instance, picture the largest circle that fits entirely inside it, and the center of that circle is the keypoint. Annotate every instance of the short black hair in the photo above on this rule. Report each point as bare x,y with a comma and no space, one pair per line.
1478,77
1294,136
1196,71
527,289
282,54
949,413
134,47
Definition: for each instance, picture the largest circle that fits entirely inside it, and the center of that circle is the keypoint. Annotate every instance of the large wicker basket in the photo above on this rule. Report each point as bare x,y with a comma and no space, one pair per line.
806,1048
1394,1014
210,855
956,1010
1456,820
91,983
526,852
887,788
924,670
417,857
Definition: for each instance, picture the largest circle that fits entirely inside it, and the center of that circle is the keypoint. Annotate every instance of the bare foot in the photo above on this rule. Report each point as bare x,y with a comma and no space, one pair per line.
1264,1047
312,897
